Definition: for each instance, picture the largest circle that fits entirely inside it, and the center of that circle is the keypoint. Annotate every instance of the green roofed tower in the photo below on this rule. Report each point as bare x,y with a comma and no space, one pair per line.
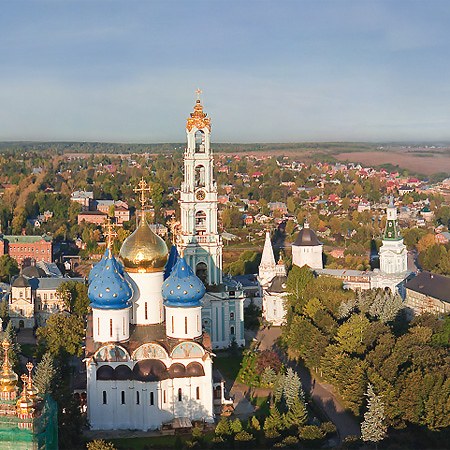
392,231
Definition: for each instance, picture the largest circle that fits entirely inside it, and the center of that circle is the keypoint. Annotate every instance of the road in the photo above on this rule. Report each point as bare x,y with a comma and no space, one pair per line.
321,393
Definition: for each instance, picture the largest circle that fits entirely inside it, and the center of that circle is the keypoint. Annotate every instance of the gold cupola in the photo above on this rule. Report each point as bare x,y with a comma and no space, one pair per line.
8,378
143,251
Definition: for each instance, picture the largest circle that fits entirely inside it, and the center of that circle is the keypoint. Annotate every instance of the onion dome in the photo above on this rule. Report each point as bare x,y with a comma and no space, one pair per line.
172,260
306,237
109,289
143,251
8,378
98,267
183,287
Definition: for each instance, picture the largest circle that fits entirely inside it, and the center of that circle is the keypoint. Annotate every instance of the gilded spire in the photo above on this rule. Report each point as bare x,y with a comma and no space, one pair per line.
32,389
24,404
198,118
8,378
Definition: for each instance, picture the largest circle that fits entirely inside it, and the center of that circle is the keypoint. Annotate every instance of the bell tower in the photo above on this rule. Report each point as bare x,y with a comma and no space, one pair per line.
199,240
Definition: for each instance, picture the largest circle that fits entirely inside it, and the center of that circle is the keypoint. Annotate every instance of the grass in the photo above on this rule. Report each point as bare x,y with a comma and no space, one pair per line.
262,406
157,442
227,364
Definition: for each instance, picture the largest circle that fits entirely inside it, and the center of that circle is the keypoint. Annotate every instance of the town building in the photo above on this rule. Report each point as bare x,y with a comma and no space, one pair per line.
428,293
84,198
34,297
24,248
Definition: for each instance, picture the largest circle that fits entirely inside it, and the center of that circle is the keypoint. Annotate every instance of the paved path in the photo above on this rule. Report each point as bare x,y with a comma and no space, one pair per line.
321,393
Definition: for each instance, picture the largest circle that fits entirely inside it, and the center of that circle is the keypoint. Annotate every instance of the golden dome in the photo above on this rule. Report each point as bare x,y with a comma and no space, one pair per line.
8,378
143,251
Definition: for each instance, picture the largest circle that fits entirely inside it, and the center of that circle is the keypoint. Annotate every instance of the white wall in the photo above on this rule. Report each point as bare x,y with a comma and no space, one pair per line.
184,323
106,320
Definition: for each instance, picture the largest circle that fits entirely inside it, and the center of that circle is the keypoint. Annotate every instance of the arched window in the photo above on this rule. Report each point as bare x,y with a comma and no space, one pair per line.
197,392
199,142
146,311
152,398
137,398
180,395
164,397
104,398
122,397
200,176
232,331
231,315
110,327
201,270
185,326
200,222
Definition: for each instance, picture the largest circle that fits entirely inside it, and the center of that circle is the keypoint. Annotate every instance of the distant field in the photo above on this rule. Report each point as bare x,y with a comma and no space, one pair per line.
419,162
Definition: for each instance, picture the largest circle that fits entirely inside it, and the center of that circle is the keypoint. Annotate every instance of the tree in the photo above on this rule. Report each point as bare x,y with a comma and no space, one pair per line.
45,374
223,427
373,428
292,389
236,426
75,297
62,334
14,349
8,268
100,444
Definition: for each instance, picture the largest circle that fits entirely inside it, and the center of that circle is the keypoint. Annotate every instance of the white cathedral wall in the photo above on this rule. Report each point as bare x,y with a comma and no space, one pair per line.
111,325
310,256
183,323
147,297
140,413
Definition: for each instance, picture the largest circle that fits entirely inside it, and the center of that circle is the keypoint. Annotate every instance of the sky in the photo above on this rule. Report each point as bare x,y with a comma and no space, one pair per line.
270,71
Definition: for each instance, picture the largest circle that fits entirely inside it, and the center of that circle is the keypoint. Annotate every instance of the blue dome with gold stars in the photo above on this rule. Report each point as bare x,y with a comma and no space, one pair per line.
108,288
98,267
182,287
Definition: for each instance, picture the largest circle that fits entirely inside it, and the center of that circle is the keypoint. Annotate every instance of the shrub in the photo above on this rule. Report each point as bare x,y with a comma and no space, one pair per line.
328,427
243,436
311,433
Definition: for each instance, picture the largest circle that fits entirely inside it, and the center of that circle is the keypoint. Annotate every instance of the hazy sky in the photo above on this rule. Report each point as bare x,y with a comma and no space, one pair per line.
270,71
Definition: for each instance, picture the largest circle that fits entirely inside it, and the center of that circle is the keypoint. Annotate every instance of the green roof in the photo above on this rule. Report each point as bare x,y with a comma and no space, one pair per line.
23,239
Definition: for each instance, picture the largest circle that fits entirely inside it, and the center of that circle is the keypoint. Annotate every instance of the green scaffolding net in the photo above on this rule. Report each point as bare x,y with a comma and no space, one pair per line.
40,433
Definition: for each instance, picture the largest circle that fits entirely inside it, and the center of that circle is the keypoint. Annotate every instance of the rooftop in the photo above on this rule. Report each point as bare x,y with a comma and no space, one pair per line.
431,285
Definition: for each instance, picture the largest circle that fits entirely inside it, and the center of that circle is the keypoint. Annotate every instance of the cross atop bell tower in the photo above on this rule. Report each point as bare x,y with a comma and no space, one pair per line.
199,238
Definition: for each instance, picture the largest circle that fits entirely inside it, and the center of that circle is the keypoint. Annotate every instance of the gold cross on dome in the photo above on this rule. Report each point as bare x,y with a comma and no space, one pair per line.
142,188
110,233
198,92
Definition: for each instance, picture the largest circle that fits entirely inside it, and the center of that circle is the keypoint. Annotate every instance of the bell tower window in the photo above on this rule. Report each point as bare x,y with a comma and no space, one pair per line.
200,222
200,176
199,142
201,271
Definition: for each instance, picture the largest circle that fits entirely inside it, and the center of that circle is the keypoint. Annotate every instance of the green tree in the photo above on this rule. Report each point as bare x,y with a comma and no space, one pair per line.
45,374
223,428
74,296
8,268
236,426
62,335
14,349
373,428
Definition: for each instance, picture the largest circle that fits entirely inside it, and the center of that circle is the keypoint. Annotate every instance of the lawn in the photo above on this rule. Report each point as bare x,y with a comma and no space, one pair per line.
227,364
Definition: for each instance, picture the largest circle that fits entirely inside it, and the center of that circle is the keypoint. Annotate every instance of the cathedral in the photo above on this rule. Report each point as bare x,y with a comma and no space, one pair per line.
156,316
